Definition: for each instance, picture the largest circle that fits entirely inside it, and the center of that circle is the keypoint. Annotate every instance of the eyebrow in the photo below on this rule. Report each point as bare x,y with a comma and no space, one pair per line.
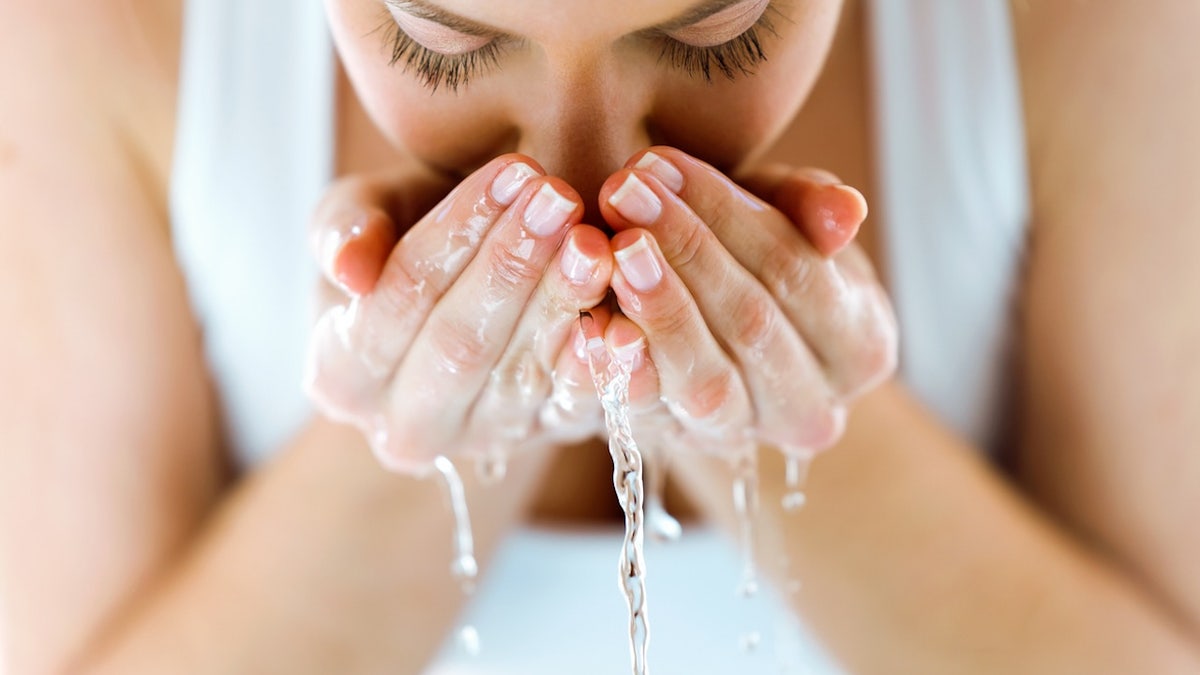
431,12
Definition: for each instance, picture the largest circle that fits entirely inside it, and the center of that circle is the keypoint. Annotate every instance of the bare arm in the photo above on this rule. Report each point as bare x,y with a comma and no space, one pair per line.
125,549
914,555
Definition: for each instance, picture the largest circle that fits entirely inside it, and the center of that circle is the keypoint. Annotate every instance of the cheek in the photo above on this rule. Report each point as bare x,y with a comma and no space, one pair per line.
730,122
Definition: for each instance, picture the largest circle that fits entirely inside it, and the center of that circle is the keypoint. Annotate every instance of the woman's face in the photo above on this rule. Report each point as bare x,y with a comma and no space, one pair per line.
580,85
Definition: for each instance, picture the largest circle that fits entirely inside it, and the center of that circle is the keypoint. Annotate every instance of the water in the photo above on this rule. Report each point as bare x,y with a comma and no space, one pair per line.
468,640
749,642
611,377
795,475
464,568
745,508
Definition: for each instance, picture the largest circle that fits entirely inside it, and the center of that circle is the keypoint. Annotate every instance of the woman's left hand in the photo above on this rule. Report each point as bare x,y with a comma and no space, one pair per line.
752,327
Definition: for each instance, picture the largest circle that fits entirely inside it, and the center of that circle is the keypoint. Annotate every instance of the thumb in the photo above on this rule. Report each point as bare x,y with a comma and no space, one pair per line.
826,211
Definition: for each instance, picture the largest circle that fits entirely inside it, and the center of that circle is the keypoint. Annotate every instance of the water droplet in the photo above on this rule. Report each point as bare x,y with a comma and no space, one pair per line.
468,639
750,641
794,501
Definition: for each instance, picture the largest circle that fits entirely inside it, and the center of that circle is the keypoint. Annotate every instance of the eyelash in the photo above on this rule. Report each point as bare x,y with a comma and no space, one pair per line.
739,56
437,70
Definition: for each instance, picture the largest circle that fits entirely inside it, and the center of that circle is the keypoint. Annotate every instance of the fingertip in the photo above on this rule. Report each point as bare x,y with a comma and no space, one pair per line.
359,262
840,212
828,214
586,258
502,161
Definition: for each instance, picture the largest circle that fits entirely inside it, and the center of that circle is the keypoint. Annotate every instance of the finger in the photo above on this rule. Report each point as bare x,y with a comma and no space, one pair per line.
699,382
627,343
521,381
429,258
651,420
458,346
572,410
353,228
794,405
839,310
827,212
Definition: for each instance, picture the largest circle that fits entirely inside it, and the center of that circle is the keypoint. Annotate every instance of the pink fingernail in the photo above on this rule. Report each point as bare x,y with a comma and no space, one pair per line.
575,265
548,211
636,201
508,184
638,264
661,169
631,353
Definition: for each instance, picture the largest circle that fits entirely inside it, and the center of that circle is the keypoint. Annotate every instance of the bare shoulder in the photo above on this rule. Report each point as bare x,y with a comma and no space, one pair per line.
94,67
107,427
1110,383
1121,69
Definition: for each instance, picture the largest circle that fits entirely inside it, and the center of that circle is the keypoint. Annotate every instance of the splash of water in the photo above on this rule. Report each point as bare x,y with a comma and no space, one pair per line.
611,377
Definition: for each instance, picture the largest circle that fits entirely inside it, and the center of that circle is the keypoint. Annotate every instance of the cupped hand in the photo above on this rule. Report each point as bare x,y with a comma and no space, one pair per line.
442,337
748,319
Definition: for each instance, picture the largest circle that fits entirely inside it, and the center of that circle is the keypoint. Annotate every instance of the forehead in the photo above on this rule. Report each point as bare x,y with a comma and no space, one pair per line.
551,20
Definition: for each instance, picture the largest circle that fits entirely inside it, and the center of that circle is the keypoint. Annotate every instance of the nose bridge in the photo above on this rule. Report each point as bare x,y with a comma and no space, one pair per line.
585,125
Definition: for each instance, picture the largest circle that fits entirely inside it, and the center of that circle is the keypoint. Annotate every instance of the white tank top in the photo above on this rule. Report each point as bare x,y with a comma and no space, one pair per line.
254,148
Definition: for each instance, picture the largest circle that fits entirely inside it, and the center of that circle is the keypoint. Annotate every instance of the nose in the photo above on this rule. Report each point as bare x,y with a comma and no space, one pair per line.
583,127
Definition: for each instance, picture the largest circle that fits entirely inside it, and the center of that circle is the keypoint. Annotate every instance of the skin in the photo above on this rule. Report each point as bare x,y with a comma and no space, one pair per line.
1079,564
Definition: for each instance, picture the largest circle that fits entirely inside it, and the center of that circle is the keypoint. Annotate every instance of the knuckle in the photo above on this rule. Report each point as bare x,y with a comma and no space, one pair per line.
756,319
521,380
671,319
687,245
709,401
458,348
513,267
787,272
403,287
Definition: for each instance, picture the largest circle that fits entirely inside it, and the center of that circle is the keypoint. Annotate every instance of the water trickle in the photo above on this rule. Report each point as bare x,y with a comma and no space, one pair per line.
611,377
795,476
464,568
745,507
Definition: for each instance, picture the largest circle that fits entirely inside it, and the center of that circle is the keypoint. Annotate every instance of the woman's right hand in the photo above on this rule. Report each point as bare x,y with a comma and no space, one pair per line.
460,332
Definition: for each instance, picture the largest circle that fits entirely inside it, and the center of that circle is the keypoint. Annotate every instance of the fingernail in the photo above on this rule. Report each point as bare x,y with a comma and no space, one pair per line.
548,211
638,265
334,242
636,201
631,353
661,169
580,345
508,184
575,265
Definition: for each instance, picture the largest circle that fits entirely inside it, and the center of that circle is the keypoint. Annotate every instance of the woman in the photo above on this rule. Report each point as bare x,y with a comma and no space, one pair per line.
131,547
